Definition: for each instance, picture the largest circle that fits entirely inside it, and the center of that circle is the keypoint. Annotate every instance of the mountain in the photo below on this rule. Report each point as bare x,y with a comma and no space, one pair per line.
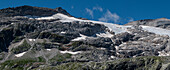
35,38
161,22
32,11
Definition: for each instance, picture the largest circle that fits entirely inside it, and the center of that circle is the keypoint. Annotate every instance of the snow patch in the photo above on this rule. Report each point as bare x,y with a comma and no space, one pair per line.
45,18
63,32
31,39
83,37
106,35
112,57
20,54
117,53
117,48
31,17
156,30
102,48
62,17
163,53
48,49
70,52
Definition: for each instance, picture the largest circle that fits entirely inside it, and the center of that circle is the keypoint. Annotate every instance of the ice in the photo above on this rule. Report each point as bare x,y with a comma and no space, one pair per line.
156,30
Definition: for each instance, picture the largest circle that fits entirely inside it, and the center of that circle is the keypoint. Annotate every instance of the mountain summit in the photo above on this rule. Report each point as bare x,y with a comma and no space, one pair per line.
33,11
35,38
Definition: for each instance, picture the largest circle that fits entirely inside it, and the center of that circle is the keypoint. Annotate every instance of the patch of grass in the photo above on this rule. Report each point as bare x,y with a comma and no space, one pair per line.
65,66
16,64
23,47
41,59
22,64
139,63
61,57
70,66
54,37
58,38
44,45
2,56
77,43
82,48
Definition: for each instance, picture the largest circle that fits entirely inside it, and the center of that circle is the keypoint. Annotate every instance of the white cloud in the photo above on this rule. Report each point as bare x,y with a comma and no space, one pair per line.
131,19
110,17
90,12
98,8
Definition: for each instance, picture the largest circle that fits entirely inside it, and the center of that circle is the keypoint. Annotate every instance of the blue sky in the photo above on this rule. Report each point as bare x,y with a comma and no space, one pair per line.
115,11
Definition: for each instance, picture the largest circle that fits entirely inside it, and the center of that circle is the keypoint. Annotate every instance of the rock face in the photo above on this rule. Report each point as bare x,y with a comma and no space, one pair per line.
31,11
32,38
162,23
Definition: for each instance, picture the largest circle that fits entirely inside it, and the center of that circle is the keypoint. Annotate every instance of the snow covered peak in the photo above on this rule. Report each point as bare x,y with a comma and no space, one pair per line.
112,27
64,18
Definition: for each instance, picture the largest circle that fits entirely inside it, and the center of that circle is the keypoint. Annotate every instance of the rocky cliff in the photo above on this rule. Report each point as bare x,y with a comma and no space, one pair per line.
33,38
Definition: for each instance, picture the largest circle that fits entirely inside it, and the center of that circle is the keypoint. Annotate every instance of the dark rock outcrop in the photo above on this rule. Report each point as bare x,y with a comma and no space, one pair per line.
31,11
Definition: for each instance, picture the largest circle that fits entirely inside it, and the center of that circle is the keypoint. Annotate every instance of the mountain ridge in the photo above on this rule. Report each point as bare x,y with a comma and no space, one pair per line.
160,22
58,41
33,11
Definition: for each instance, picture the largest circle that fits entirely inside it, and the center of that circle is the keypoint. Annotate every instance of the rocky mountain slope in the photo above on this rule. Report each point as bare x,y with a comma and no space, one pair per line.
33,38
161,22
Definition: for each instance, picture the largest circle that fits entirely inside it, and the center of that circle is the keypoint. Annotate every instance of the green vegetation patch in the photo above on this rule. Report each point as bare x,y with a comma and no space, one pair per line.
54,37
77,43
64,66
16,64
22,64
139,63
61,57
21,48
